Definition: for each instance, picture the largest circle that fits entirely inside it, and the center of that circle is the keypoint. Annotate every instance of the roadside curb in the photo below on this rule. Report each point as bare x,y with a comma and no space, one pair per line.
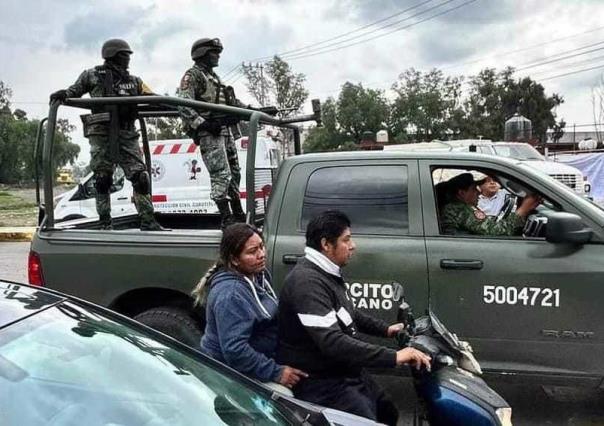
21,233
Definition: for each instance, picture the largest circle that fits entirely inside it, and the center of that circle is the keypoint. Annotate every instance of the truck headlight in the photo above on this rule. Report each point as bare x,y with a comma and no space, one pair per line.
505,416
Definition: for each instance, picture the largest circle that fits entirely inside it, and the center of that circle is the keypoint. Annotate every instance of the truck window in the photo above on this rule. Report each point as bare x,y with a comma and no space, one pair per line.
374,197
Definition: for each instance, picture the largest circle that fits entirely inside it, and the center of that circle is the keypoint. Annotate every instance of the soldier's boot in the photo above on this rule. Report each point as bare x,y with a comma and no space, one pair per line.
106,224
152,225
103,208
226,217
238,213
144,207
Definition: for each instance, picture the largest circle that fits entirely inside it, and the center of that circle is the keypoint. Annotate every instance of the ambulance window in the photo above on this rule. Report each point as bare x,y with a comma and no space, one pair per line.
373,197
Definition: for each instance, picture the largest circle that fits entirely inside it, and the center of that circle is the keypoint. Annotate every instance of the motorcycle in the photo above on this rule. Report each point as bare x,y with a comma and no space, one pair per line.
452,391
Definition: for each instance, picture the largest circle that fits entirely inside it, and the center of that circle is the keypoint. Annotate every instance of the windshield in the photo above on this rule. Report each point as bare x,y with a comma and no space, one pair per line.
517,151
68,366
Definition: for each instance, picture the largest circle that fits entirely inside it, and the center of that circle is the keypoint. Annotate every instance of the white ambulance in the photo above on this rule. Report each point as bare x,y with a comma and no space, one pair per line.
180,182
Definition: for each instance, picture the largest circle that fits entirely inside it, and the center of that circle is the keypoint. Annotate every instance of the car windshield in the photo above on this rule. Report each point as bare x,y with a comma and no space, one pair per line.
517,151
67,366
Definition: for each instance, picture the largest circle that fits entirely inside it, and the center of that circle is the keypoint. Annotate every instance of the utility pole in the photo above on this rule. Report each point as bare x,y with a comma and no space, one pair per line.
574,135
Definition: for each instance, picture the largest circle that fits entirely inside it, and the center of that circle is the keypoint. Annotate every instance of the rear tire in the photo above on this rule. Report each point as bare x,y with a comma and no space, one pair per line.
174,322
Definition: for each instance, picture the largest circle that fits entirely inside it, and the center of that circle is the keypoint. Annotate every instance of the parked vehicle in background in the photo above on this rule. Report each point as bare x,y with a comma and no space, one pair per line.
65,176
180,182
568,175
65,362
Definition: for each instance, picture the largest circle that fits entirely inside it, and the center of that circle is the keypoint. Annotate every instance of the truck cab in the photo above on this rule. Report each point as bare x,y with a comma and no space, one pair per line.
528,303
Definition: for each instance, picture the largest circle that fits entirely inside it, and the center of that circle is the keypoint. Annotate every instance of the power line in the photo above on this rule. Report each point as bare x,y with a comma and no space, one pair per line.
573,72
324,50
510,52
344,34
573,64
545,61
226,76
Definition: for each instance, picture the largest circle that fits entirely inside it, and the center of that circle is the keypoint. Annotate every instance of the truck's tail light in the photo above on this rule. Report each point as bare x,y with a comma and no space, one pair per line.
34,269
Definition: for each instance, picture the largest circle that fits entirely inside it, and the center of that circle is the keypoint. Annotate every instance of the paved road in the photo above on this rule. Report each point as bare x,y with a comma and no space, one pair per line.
13,261
530,404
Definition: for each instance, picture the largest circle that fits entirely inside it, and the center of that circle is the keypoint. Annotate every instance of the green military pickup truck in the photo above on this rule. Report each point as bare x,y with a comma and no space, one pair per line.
530,304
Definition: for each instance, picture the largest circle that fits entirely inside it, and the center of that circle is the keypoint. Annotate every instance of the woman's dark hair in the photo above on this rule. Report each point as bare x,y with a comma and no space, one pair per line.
232,243
329,224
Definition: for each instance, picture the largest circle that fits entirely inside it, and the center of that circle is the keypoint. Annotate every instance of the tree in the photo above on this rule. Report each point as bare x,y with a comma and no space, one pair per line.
277,85
327,137
558,130
17,142
428,105
162,128
495,97
361,110
597,103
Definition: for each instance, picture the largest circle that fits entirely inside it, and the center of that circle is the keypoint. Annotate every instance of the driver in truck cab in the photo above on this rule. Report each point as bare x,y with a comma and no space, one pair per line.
319,328
461,214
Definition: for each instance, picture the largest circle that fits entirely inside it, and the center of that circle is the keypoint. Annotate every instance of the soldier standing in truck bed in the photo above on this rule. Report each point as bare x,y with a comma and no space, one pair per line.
114,139
215,142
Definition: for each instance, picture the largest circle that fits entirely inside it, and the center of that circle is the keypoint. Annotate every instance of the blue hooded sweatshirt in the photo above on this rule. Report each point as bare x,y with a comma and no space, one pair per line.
241,325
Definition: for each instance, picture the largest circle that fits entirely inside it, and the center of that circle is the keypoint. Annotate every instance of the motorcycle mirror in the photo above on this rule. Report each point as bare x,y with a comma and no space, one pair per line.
398,291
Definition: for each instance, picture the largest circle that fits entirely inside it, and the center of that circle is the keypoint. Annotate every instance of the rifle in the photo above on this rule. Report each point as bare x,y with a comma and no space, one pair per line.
214,122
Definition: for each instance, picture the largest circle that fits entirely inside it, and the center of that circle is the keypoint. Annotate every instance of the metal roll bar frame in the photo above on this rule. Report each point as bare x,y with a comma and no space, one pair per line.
162,106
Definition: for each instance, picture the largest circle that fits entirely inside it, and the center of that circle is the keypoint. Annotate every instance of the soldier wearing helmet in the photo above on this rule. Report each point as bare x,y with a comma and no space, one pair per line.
215,141
113,79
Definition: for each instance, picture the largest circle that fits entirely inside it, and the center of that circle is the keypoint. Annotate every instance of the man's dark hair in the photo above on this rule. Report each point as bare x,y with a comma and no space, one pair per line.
329,224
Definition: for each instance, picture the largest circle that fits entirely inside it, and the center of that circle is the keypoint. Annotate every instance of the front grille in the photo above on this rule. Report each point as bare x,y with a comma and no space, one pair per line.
567,179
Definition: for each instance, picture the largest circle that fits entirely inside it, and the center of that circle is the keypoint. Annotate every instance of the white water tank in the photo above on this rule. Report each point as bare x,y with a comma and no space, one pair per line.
586,144
381,136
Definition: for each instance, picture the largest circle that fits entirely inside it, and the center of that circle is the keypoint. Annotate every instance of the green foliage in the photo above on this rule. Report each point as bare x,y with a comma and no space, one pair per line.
163,128
320,139
360,110
495,97
17,142
357,110
431,106
426,106
276,84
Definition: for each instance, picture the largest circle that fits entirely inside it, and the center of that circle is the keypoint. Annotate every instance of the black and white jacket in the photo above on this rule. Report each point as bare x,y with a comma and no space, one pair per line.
318,326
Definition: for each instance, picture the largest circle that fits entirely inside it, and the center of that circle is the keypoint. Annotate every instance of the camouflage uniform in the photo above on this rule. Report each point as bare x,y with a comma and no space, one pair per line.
97,131
219,152
459,217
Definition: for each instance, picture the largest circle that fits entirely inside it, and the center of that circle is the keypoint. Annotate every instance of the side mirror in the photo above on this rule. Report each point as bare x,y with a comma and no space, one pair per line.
566,228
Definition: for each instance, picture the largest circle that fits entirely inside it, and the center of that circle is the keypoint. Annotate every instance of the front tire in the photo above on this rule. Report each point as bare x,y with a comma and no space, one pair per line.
174,322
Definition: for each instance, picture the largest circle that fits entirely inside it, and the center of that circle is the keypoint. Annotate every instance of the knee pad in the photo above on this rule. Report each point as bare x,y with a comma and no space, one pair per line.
141,182
102,183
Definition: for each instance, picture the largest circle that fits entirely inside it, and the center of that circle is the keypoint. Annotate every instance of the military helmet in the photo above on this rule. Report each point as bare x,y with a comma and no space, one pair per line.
114,46
203,45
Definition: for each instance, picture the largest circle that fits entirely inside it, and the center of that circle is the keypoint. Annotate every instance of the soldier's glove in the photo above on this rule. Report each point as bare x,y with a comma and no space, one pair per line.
59,95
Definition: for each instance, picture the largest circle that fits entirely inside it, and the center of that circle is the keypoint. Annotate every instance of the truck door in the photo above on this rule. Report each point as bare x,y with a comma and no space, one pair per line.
382,200
525,304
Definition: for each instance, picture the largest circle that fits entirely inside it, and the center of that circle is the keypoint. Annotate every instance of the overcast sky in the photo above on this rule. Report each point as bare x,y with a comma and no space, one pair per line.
44,45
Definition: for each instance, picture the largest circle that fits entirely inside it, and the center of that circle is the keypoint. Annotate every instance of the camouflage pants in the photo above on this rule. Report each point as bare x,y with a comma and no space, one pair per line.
219,154
130,160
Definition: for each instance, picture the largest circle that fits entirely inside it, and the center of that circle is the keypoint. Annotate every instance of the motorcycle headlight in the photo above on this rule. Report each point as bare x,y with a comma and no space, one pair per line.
505,416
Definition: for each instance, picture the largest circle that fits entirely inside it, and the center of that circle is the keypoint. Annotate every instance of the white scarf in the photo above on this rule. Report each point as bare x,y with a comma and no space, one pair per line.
322,261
